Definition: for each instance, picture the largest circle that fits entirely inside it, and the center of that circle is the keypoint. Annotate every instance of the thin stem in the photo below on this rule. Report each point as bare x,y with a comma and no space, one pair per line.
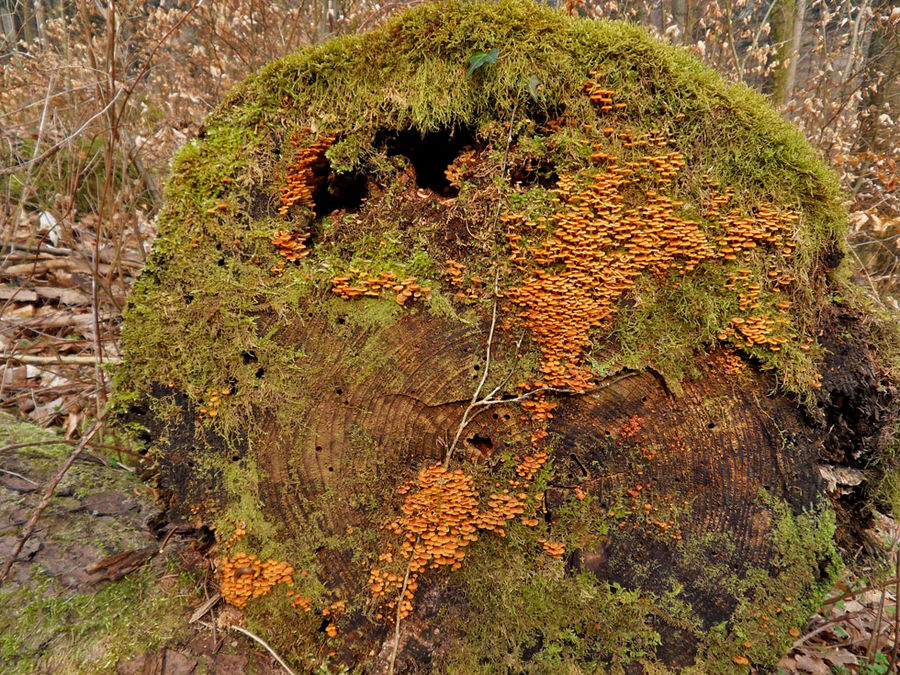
474,402
48,495
266,645
397,620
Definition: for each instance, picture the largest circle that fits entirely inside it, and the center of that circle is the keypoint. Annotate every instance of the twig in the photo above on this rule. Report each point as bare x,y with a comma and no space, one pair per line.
49,152
16,446
465,418
17,475
71,360
165,540
865,271
896,617
48,495
268,648
397,621
26,183
202,610
557,390
474,402
871,646
859,591
825,626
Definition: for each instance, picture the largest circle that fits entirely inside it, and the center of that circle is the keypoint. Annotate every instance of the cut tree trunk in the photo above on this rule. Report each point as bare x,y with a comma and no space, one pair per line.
521,354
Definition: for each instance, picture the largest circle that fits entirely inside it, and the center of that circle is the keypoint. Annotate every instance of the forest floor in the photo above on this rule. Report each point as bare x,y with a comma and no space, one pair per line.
105,584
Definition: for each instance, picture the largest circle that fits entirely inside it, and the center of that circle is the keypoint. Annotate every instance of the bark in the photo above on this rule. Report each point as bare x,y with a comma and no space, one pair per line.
782,34
796,41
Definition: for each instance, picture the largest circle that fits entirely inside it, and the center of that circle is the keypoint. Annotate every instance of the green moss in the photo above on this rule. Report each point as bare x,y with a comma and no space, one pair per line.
534,618
56,630
48,627
209,312
772,602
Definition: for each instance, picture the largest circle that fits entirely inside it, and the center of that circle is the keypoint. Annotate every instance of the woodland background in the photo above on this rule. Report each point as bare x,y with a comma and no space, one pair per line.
95,97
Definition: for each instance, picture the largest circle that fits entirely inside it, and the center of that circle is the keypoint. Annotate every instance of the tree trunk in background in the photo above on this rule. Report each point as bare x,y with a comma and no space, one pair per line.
794,49
679,13
782,34
880,80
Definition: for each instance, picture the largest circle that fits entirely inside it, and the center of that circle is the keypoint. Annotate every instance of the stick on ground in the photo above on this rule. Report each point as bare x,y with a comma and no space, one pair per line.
48,495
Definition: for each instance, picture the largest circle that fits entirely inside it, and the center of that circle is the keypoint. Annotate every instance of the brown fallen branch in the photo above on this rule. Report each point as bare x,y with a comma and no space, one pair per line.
117,566
56,319
70,360
29,444
266,645
48,495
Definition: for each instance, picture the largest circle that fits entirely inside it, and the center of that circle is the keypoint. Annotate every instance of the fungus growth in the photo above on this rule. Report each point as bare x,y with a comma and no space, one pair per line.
607,269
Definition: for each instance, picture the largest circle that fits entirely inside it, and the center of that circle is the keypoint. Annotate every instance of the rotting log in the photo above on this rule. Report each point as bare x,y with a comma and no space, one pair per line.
525,359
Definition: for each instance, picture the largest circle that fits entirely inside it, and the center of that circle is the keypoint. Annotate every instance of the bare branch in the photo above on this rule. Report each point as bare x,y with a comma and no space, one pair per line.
48,496
265,644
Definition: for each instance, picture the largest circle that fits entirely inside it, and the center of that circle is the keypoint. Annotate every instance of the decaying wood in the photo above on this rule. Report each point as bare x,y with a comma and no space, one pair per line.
117,566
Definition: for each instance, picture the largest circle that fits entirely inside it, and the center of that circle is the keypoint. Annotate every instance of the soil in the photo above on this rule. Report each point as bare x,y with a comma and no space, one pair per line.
102,537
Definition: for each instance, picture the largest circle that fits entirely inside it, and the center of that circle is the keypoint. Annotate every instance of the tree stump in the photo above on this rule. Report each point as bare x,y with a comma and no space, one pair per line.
495,340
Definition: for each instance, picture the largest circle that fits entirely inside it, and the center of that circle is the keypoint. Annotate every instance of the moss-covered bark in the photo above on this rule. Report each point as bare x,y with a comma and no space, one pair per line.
661,250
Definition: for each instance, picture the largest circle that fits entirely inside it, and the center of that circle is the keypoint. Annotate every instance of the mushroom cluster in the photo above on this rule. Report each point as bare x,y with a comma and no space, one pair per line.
291,245
598,249
373,287
554,549
648,516
453,271
244,576
765,227
600,96
730,362
632,427
441,518
457,169
306,172
213,400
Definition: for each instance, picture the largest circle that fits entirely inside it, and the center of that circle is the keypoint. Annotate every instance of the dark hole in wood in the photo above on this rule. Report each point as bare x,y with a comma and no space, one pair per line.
481,443
430,154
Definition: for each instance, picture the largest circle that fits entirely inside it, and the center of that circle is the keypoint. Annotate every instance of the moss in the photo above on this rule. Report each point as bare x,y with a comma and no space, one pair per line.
772,602
48,627
217,307
54,629
537,619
